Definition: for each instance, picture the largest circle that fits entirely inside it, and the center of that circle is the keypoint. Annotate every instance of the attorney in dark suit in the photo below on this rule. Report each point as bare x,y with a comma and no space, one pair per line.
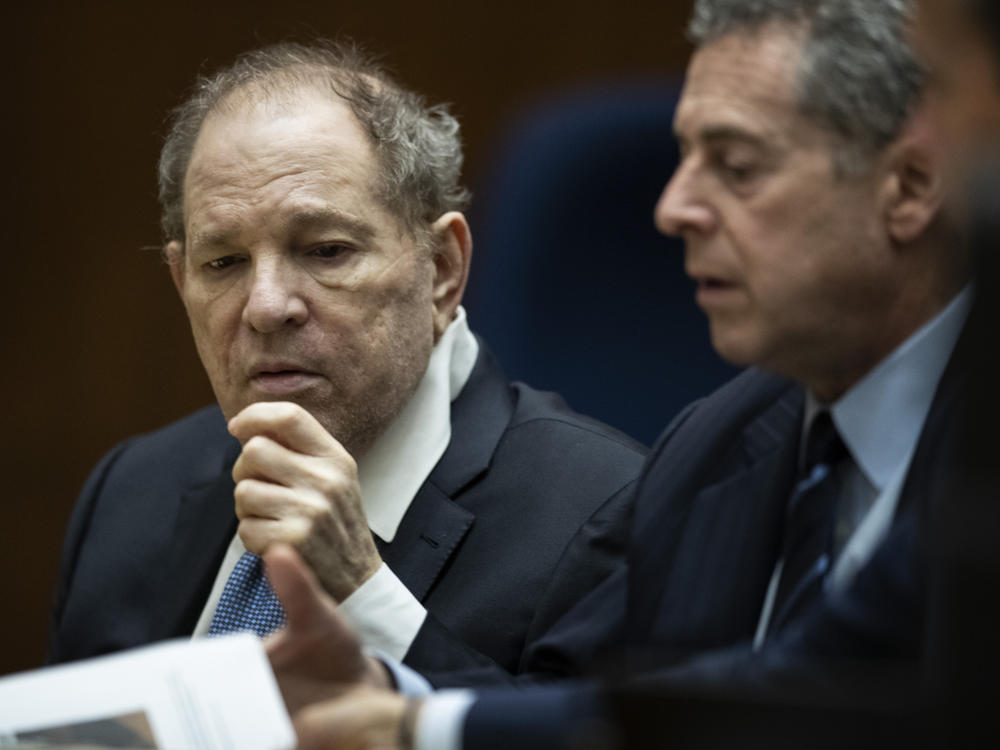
778,545
311,208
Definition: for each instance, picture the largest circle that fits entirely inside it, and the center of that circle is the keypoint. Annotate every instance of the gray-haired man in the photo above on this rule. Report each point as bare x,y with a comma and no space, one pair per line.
313,225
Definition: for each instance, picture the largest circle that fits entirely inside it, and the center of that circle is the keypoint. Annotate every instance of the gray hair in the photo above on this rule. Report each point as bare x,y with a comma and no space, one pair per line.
858,77
418,147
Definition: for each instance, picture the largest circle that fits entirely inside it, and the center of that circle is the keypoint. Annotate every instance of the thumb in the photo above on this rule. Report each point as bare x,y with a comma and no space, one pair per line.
295,585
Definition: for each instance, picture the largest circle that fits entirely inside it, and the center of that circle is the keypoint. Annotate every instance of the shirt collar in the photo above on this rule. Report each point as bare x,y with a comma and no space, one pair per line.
880,418
392,471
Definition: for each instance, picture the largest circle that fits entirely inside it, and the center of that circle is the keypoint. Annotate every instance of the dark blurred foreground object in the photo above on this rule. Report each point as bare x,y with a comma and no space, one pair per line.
655,719
572,285
964,601
987,16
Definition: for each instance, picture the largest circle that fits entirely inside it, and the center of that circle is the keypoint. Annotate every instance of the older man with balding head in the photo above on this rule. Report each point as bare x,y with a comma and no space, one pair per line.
312,217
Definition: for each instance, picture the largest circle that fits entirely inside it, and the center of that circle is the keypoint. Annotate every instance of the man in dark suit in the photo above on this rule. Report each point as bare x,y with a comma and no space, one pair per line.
778,544
311,208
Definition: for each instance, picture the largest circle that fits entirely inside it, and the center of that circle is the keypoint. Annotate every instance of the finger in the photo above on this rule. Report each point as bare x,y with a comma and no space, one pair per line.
257,534
320,480
322,725
286,423
257,498
266,459
296,586
362,718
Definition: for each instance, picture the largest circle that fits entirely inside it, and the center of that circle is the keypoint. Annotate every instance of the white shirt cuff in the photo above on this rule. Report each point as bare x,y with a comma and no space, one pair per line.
442,719
384,614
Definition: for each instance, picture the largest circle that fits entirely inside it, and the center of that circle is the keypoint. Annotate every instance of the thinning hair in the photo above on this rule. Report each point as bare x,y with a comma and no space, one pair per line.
858,78
418,147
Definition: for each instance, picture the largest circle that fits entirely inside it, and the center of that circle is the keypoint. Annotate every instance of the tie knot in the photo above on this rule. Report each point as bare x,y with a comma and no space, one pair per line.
823,445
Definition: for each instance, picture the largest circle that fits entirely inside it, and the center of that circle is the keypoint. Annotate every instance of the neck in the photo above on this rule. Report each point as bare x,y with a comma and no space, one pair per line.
905,318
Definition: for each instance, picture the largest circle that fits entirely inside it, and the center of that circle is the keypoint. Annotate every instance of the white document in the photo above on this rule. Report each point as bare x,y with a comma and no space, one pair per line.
207,694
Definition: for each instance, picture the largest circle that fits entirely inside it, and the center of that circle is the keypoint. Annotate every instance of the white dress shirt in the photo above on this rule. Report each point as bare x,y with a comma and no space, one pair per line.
879,419
382,610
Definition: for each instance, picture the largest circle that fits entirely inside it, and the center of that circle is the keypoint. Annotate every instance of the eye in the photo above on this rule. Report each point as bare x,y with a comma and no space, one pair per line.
735,165
739,172
330,251
220,264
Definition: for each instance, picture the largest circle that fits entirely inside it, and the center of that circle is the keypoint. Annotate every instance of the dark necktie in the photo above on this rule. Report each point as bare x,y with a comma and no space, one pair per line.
247,601
809,521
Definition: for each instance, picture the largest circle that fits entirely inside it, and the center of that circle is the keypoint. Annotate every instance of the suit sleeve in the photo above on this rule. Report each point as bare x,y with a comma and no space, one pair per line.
580,618
76,532
582,609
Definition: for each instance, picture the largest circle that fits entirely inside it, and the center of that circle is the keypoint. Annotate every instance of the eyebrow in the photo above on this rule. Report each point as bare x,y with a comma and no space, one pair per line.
715,133
304,219
326,219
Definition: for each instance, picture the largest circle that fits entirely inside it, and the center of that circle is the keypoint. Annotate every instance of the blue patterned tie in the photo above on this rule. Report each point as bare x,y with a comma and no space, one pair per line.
809,521
247,601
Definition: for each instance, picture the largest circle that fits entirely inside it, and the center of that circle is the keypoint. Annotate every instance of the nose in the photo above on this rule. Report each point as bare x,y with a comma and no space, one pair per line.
275,299
680,210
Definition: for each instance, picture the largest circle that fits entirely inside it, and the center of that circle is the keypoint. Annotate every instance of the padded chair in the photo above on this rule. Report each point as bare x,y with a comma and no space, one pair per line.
571,286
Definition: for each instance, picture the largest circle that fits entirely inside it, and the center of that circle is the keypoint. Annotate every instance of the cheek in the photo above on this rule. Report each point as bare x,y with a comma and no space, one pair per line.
408,289
215,321
389,313
785,258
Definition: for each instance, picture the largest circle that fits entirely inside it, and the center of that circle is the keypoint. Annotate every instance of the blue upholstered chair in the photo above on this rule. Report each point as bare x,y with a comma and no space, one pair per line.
571,285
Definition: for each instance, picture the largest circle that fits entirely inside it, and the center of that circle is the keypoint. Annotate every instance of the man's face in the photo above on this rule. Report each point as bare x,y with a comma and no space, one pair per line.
790,259
300,286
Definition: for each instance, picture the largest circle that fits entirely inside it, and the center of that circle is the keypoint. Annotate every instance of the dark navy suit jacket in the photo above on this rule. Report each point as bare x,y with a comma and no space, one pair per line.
682,610
525,513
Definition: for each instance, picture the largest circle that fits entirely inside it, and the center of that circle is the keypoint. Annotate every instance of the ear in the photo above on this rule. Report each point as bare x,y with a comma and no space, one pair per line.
174,254
452,254
914,189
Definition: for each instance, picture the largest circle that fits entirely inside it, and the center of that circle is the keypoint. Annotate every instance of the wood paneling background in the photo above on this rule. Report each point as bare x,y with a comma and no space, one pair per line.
96,345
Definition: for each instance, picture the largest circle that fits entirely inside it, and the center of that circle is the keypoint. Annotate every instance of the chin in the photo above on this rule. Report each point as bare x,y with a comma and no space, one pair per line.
737,349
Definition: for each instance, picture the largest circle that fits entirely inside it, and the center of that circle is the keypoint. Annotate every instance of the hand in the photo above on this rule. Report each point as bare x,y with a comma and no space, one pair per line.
315,656
296,484
363,719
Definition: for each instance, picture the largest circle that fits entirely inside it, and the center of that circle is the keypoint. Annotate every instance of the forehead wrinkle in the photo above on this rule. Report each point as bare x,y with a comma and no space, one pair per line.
217,200
316,217
250,147
255,158
746,87
710,118
277,120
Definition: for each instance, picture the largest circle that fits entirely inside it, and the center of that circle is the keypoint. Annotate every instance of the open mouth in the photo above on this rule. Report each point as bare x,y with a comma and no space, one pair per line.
713,291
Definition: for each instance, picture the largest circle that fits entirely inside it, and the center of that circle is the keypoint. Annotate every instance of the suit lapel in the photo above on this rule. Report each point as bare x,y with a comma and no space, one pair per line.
436,522
430,533
206,522
707,545
479,417
714,591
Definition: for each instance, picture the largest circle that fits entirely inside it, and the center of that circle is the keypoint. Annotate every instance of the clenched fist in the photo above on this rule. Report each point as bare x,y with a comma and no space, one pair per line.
296,484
